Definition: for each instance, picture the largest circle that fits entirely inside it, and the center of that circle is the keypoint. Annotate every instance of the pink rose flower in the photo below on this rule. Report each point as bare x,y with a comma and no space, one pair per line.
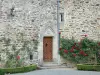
18,57
66,51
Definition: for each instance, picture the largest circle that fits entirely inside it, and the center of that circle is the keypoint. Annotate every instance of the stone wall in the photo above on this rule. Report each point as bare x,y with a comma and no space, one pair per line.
81,17
29,18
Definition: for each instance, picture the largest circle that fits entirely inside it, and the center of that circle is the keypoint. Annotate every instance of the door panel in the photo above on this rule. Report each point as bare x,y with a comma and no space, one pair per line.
47,49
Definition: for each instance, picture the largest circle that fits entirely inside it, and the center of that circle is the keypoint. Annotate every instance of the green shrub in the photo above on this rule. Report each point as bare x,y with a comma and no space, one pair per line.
97,67
88,67
20,69
14,70
83,51
2,72
30,68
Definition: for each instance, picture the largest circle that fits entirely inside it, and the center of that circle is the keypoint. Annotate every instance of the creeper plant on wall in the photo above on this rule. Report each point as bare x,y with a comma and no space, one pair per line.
84,51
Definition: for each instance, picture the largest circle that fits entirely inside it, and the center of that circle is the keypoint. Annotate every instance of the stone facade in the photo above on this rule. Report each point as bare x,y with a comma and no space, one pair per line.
24,24
28,20
81,17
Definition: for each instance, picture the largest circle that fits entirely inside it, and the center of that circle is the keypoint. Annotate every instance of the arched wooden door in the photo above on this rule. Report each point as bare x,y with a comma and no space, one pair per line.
47,49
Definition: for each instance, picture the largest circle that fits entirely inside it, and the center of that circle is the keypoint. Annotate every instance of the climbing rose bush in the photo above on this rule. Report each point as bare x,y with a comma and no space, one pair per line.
83,51
18,57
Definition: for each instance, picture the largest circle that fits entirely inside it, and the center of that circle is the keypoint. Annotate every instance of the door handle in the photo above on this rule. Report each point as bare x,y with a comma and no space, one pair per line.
46,44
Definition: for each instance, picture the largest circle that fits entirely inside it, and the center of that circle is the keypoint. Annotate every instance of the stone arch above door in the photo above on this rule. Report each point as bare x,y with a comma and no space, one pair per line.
47,31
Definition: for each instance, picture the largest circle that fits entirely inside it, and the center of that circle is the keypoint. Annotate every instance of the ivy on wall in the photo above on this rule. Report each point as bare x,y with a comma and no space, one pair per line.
83,51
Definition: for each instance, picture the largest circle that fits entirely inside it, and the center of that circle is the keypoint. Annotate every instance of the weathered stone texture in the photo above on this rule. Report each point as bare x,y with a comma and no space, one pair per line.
82,17
30,17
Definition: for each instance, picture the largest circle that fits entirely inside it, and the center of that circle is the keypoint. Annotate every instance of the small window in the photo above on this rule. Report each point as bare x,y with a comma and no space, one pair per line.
31,57
62,17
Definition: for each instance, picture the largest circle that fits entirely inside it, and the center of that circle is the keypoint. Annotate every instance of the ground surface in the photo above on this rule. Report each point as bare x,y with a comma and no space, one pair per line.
60,71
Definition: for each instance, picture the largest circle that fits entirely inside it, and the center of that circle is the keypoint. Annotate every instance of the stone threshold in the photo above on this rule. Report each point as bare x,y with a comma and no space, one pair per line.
52,65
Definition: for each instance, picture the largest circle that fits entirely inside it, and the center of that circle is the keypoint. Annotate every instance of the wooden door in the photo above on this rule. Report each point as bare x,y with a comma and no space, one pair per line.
47,49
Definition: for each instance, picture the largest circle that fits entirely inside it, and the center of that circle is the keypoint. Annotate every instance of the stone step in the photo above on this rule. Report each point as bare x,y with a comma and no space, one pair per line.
52,66
56,67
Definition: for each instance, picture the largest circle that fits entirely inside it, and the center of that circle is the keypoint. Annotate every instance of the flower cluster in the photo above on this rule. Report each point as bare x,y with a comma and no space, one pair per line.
72,50
82,50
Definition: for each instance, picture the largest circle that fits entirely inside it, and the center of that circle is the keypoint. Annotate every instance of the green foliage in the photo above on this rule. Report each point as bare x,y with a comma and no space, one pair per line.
10,63
88,67
2,72
67,43
84,51
20,69
27,68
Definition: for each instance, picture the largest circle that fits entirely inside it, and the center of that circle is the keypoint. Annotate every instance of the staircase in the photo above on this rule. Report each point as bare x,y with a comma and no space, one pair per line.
51,65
